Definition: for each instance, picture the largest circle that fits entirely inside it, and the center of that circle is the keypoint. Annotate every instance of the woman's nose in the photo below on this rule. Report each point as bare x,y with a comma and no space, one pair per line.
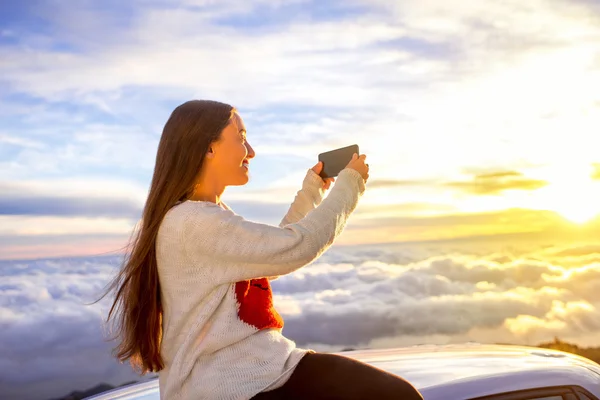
251,152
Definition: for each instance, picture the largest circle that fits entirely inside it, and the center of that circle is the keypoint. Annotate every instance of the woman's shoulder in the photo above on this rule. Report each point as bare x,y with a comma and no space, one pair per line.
191,209
188,213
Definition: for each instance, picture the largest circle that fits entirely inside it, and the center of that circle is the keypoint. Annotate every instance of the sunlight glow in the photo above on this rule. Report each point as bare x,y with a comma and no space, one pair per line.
579,215
573,194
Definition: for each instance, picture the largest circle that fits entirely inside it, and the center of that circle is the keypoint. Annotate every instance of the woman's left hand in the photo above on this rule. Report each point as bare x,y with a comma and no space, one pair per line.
327,181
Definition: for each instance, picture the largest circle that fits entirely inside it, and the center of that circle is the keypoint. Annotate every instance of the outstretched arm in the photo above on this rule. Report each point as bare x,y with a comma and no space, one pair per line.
309,197
253,250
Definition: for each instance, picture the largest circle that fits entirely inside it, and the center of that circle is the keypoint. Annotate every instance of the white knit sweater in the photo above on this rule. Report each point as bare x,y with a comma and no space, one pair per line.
221,334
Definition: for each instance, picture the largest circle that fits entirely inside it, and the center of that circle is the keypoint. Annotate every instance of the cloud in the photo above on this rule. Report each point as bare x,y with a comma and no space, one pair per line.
399,40
403,209
498,182
470,16
590,6
48,335
164,29
76,217
353,296
21,142
574,251
80,146
454,297
402,228
28,246
100,215
383,183
74,196
71,216
443,315
417,222
71,206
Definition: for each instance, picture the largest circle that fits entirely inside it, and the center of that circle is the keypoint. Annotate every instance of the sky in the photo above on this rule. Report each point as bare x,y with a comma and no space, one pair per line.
476,119
479,120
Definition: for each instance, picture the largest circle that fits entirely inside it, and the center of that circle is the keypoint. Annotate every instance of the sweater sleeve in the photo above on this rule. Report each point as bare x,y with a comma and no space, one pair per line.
307,198
244,250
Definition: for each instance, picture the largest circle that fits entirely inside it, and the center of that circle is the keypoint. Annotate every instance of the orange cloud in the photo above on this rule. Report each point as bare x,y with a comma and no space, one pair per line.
498,182
501,224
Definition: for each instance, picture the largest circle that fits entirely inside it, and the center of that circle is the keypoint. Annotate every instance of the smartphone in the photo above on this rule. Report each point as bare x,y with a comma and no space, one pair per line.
335,161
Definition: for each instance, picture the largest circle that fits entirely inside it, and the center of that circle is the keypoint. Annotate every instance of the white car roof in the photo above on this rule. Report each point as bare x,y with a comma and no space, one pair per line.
454,371
473,370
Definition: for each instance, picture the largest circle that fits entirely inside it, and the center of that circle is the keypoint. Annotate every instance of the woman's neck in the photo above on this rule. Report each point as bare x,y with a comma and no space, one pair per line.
207,192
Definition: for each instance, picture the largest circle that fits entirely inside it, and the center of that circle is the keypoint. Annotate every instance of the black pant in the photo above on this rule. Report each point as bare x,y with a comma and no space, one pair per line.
321,376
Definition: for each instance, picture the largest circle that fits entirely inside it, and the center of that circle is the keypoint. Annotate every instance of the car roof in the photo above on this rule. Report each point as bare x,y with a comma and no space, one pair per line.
473,370
455,371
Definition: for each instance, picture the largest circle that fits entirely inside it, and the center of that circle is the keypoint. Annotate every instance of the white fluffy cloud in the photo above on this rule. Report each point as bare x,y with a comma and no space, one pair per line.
51,341
502,296
354,296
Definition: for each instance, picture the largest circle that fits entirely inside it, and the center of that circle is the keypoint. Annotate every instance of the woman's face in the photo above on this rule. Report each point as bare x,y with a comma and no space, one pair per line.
232,154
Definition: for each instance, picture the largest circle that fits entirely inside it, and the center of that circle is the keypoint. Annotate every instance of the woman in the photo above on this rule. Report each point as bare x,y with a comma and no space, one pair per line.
193,299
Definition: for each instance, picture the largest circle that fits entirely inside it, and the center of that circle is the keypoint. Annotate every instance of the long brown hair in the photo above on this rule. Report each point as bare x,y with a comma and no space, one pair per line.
137,308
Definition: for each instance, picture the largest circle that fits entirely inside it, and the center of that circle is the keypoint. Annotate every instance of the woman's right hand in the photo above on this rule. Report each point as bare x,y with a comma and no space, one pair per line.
358,164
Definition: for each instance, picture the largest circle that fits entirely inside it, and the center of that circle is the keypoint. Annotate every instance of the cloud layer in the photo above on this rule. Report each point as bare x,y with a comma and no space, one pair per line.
51,341
459,296
353,296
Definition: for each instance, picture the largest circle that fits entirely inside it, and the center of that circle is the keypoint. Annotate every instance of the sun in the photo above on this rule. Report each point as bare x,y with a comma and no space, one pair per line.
580,215
575,199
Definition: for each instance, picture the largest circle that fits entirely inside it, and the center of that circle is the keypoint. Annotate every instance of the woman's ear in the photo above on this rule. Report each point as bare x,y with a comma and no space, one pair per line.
210,153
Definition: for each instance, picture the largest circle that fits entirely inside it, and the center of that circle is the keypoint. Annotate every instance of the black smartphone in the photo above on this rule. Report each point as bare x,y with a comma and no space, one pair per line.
335,161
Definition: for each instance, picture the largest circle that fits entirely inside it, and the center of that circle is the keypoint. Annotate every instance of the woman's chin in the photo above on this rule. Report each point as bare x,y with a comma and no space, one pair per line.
241,181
